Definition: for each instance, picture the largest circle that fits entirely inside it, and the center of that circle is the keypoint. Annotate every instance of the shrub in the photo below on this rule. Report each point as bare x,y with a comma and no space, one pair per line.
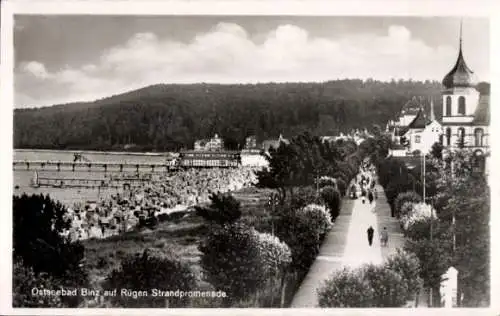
302,233
345,288
231,262
276,258
388,287
224,208
420,229
320,216
406,209
418,213
407,265
341,186
274,254
331,197
303,197
24,280
327,181
38,240
408,196
151,269
343,175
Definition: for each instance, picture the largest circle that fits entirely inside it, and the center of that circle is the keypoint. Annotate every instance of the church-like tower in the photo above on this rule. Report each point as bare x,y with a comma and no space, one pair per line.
460,97
462,121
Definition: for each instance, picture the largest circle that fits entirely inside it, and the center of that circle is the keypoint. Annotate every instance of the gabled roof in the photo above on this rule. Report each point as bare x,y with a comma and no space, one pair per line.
411,107
420,121
482,114
266,144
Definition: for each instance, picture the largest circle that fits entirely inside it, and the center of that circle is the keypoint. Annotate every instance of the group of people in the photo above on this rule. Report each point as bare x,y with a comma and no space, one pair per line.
366,183
384,236
163,194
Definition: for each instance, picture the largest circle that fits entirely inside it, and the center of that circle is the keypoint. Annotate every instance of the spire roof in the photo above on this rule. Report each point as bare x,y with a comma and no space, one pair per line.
460,75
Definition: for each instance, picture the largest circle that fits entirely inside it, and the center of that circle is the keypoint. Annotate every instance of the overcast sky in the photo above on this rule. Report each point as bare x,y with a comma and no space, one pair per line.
81,58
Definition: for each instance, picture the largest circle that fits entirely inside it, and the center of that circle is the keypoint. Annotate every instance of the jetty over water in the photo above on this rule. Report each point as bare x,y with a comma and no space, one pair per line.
106,166
83,183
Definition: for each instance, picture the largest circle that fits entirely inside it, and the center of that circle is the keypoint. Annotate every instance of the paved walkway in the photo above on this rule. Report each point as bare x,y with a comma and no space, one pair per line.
328,260
347,244
384,219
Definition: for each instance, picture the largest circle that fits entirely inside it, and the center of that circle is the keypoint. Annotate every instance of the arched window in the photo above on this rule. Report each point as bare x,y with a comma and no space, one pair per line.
478,137
448,136
448,106
461,105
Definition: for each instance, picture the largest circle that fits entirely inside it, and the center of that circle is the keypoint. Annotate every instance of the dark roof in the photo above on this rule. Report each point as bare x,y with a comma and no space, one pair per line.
401,131
420,121
482,114
411,107
266,144
460,75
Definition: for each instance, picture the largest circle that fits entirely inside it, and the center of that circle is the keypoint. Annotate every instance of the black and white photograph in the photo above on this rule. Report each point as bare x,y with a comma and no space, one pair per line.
250,161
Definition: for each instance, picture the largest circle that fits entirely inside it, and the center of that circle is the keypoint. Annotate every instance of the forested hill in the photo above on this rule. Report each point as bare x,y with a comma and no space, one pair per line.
170,117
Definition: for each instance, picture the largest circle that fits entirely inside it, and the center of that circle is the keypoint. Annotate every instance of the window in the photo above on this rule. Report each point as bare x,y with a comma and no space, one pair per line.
417,139
448,136
461,105
448,106
478,137
461,137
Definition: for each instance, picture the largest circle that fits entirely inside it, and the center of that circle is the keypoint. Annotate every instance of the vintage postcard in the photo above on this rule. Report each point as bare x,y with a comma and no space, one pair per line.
200,159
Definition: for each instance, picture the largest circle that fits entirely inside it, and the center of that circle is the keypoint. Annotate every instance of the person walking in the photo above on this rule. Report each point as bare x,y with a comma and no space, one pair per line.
384,237
370,231
370,196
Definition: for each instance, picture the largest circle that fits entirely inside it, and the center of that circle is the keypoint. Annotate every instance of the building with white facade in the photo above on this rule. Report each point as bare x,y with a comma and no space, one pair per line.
212,144
466,116
423,132
464,124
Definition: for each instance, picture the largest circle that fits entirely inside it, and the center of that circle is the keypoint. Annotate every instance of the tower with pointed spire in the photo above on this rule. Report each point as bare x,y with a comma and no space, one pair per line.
465,116
465,112
460,97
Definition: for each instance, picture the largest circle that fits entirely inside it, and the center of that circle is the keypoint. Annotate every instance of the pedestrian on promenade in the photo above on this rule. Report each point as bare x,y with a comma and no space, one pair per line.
375,193
370,196
384,237
370,231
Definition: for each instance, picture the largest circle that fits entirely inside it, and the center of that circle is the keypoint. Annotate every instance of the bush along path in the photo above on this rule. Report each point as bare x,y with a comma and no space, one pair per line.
345,246
329,258
396,237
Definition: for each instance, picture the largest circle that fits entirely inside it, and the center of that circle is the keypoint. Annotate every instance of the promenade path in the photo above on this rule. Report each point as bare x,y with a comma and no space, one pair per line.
396,237
347,244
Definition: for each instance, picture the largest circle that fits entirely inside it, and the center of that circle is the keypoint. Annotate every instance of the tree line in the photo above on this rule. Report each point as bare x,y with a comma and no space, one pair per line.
452,227
172,117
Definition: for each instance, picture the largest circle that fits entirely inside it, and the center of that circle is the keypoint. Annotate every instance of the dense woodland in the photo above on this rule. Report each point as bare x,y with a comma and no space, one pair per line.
172,117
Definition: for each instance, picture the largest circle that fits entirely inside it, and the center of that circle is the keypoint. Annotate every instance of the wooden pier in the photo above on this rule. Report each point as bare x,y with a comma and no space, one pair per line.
38,181
92,166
